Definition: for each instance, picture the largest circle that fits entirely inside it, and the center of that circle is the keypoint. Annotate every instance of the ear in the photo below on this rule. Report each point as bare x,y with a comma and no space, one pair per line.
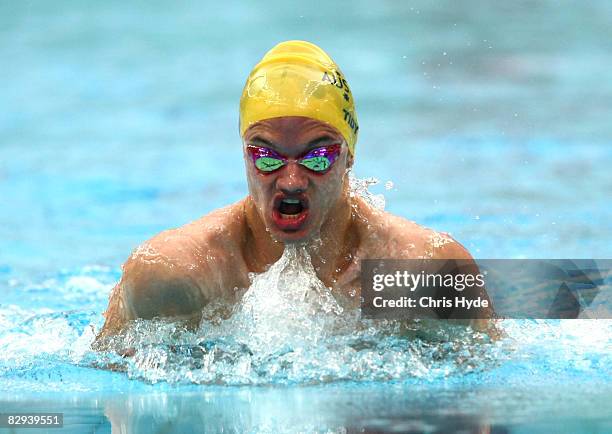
349,159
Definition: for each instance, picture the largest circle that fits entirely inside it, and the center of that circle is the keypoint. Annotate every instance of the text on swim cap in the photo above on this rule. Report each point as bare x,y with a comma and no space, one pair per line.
336,79
350,120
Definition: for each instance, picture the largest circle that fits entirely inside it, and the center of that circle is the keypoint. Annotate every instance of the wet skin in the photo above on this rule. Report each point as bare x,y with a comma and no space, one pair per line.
179,271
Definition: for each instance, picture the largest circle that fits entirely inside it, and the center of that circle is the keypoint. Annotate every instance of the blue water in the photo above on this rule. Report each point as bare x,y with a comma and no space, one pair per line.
491,121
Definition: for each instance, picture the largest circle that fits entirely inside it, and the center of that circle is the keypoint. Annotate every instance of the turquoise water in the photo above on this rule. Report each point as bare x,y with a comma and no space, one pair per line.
491,121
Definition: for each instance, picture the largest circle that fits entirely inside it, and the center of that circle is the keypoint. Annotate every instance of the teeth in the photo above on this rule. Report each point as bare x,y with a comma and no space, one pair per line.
289,216
291,200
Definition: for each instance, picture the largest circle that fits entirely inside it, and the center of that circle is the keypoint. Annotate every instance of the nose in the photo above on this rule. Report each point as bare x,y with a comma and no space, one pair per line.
292,179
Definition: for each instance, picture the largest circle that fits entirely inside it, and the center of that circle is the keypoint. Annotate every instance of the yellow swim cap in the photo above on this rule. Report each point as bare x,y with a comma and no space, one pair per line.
297,78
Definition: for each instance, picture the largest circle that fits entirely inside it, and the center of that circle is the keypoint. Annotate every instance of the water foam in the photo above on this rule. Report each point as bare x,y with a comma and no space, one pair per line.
306,337
289,328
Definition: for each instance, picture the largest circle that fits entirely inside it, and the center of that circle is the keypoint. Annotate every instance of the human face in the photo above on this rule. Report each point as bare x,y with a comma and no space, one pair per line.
294,200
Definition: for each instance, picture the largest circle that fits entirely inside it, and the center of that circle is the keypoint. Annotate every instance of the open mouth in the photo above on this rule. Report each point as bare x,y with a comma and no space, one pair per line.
290,213
290,208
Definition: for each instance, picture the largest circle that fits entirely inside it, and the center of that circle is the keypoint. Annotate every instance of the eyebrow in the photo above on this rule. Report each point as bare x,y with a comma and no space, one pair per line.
261,140
312,144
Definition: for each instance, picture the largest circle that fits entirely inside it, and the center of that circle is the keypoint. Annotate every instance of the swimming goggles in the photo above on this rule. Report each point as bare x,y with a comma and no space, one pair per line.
318,160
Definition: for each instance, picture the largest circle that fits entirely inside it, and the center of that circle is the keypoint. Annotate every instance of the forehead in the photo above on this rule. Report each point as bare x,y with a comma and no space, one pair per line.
292,133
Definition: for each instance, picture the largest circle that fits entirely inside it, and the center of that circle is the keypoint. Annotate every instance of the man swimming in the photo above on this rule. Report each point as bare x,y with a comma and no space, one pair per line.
299,129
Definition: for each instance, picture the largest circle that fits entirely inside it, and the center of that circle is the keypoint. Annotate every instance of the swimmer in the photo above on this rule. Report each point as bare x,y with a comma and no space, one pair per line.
299,131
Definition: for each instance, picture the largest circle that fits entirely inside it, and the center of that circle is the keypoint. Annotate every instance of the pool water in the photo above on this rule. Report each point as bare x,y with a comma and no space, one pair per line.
490,122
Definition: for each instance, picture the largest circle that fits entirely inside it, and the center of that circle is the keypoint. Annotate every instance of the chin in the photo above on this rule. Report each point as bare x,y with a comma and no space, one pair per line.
292,237
301,235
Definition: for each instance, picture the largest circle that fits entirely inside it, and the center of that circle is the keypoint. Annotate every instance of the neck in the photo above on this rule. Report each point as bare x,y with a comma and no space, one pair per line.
330,251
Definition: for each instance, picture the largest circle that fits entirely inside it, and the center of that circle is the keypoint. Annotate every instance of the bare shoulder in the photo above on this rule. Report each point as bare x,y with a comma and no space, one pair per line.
220,230
178,271
387,236
396,237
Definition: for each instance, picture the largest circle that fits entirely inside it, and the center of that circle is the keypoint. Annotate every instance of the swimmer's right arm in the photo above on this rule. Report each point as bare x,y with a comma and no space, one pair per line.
179,271
160,279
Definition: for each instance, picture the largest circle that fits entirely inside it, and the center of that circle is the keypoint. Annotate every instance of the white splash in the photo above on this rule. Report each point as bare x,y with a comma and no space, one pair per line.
286,305
360,187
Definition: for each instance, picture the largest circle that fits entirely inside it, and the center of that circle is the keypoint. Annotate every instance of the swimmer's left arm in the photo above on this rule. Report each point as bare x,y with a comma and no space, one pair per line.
452,249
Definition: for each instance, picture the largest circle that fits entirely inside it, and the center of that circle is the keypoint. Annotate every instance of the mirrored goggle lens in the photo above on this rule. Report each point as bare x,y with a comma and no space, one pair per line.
321,159
316,164
318,160
268,164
